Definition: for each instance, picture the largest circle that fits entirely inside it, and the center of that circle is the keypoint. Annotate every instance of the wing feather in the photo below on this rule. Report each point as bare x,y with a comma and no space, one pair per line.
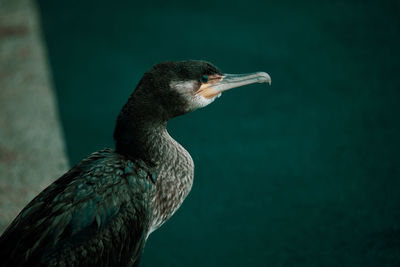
96,214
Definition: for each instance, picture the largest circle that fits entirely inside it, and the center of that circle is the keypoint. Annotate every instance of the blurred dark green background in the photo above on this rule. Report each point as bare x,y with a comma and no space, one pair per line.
302,173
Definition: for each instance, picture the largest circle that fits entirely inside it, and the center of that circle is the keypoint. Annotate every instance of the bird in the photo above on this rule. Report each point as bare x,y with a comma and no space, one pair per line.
101,212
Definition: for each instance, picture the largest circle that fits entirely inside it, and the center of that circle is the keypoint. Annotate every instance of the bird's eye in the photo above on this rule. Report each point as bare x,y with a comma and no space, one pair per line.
204,79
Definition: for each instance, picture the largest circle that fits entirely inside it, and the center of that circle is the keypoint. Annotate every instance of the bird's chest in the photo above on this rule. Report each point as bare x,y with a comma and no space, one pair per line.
174,182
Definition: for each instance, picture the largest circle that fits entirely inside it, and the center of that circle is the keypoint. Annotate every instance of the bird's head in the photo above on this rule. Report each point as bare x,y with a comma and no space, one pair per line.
167,90
176,88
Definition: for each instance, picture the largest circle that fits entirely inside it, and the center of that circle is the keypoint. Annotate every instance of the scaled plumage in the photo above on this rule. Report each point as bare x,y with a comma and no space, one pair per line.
97,214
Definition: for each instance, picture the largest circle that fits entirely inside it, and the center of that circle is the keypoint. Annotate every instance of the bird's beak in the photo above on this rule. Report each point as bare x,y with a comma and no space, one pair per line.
218,84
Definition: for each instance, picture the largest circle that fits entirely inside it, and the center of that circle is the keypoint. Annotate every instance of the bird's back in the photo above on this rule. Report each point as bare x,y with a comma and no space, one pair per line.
97,214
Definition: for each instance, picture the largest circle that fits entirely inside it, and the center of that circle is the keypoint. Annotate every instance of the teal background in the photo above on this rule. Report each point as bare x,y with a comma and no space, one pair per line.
302,173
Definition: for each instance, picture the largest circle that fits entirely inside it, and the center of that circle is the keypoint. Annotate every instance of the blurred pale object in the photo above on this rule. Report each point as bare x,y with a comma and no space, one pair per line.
32,151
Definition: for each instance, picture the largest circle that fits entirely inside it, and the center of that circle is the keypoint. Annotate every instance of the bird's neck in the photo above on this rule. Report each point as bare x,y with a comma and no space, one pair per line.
153,142
141,132
141,139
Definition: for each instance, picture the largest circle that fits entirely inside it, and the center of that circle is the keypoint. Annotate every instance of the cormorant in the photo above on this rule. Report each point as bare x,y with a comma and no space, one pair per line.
101,212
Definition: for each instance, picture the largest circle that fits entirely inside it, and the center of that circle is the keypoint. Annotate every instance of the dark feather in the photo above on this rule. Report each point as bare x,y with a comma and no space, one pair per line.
92,215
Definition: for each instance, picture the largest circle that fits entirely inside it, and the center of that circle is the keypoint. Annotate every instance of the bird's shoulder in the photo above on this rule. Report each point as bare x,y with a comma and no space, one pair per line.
92,205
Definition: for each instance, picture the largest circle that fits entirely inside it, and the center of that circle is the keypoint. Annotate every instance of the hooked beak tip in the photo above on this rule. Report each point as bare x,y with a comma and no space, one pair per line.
265,78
